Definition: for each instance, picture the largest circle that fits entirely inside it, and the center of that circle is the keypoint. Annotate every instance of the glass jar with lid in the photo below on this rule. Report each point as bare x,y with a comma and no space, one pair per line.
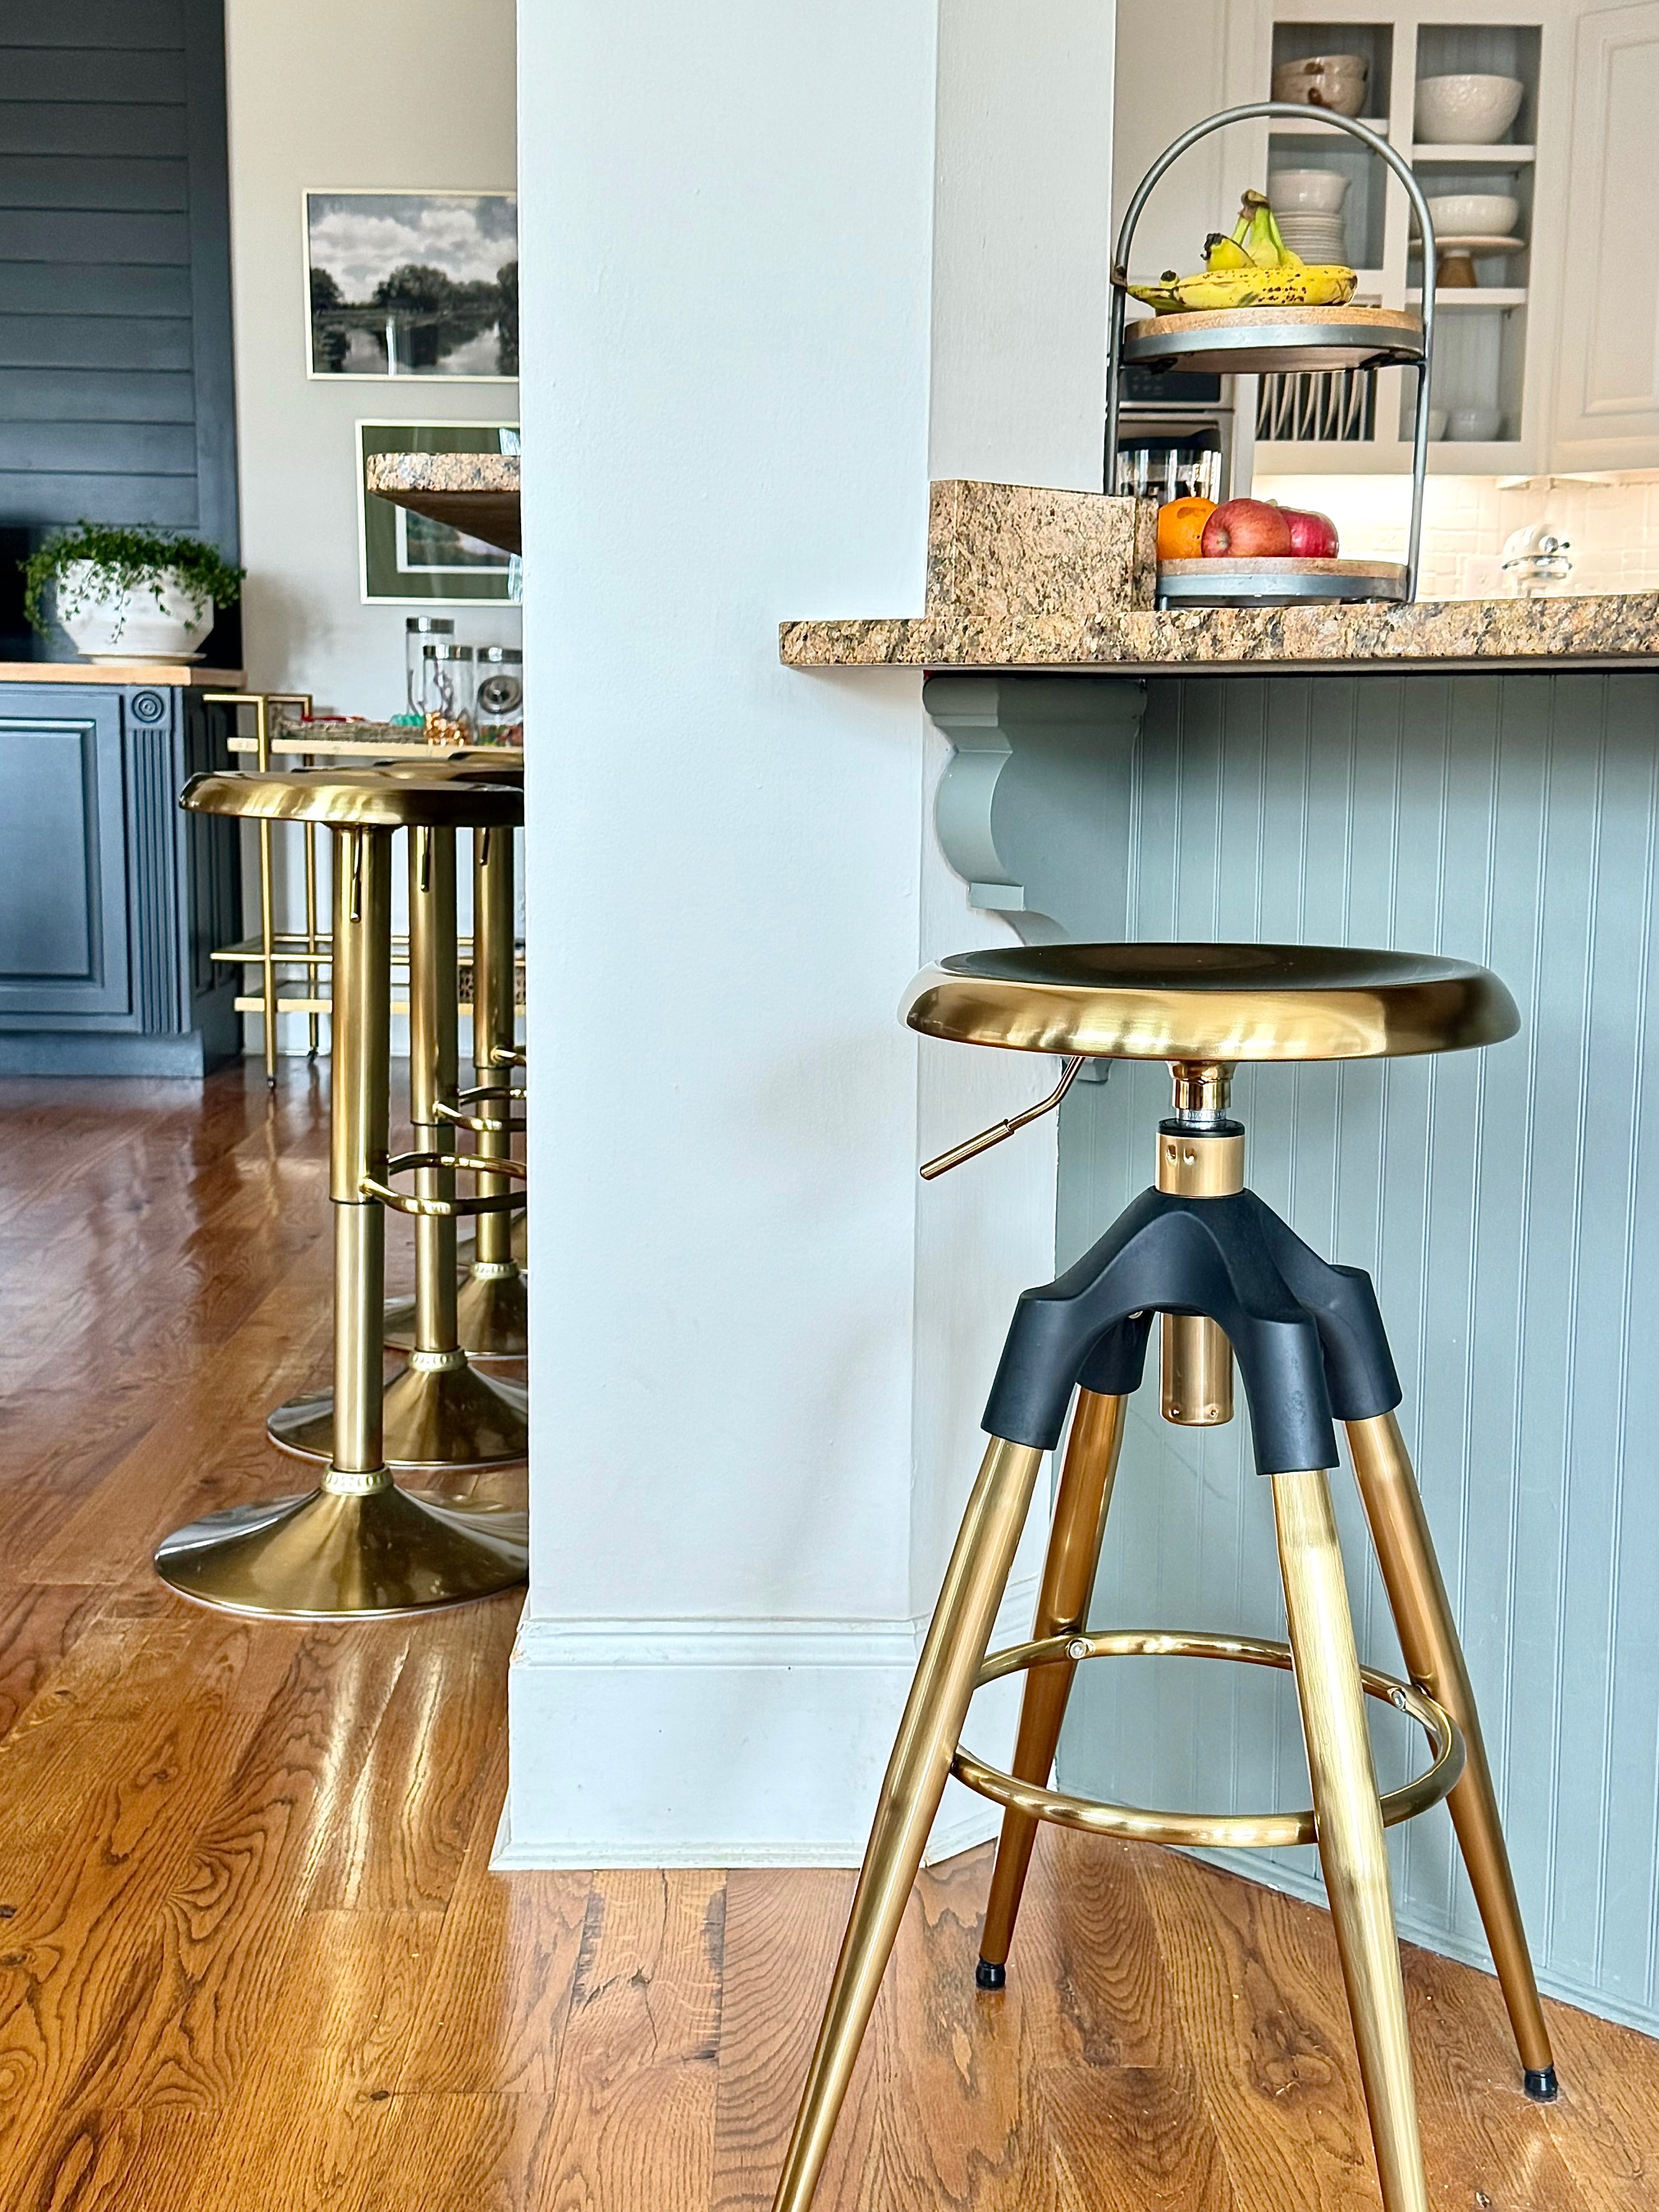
419,632
448,675
498,698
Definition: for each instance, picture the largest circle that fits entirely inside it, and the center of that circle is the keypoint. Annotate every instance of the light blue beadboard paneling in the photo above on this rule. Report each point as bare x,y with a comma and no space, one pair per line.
1506,1203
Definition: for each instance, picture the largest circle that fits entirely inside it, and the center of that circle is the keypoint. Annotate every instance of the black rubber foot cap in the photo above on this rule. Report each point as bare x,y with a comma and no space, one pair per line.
995,1978
1541,2086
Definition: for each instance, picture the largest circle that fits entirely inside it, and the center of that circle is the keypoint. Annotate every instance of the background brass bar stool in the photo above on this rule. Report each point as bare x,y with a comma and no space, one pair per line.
490,1321
440,1412
1232,1282
493,1311
358,1543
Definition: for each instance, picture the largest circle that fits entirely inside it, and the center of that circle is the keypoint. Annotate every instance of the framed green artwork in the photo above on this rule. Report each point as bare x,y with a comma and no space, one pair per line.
408,560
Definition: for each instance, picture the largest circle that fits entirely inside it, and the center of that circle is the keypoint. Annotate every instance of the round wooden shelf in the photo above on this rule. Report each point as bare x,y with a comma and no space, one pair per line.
1251,341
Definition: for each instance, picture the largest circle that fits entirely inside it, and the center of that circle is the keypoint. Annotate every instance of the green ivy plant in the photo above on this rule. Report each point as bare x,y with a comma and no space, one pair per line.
123,560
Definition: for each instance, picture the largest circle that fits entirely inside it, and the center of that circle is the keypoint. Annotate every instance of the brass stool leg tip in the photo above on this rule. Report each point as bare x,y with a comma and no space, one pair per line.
989,1977
1541,2085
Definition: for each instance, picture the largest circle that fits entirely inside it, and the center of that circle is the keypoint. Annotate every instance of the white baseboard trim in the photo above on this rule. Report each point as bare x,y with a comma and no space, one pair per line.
723,1742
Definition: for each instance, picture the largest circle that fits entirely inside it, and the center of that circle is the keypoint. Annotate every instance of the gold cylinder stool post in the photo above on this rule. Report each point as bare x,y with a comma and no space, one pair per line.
440,1412
493,1315
358,1545
1234,1287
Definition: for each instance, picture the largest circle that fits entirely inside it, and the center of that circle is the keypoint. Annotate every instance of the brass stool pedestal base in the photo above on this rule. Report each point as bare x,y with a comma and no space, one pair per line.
343,1555
492,1315
436,1416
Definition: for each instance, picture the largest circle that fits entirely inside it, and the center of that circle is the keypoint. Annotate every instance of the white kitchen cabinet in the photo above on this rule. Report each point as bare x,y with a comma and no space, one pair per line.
1560,339
1607,410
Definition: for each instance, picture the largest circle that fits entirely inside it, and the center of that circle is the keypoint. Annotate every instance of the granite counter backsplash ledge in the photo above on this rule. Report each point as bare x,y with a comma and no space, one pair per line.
1019,577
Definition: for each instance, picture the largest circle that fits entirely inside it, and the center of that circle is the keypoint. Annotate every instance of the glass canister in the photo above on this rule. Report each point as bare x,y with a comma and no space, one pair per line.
448,675
419,632
498,709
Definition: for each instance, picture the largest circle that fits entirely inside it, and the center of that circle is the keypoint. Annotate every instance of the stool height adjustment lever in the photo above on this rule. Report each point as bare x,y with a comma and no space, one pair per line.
971,1148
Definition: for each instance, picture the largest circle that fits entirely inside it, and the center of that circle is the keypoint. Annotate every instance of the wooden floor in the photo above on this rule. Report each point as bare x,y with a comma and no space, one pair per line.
252,1957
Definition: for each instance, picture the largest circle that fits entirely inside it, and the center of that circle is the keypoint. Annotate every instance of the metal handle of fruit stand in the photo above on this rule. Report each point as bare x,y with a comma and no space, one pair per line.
1297,111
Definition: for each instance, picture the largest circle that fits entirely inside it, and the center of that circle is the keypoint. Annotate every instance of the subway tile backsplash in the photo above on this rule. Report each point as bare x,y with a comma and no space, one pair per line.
1611,521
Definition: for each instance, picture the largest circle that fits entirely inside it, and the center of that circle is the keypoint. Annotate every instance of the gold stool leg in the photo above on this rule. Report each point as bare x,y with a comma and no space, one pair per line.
1434,1659
1068,1580
493,1310
440,1412
1349,1822
357,1545
911,1792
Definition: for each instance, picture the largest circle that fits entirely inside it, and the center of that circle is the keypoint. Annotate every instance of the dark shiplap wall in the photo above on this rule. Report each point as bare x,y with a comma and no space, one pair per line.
116,397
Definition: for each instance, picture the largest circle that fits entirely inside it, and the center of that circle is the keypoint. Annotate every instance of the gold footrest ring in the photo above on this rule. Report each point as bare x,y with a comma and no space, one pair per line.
485,1125
444,1209
1235,1830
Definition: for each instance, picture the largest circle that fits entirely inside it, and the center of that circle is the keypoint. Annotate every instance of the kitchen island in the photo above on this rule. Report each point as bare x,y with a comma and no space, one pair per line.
1469,777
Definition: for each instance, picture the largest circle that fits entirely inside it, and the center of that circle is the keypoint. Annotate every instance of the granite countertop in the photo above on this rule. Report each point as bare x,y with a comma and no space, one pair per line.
1021,577
474,492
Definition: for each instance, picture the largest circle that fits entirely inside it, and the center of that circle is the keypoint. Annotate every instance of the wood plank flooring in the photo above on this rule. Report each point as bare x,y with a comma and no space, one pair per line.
251,1956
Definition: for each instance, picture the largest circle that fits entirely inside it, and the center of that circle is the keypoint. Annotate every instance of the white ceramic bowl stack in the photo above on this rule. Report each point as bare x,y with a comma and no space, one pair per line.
1308,204
1466,110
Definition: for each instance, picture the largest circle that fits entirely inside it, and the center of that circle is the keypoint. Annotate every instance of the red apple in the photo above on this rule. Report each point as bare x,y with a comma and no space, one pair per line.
1248,529
1313,535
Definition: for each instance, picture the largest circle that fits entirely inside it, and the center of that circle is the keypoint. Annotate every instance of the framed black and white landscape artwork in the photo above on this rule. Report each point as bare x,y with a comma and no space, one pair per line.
413,284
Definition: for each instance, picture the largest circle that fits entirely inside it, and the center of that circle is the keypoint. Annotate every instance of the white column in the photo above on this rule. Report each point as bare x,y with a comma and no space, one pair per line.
742,1467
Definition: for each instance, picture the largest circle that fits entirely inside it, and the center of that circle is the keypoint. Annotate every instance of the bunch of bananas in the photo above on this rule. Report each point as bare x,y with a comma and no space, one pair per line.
1254,268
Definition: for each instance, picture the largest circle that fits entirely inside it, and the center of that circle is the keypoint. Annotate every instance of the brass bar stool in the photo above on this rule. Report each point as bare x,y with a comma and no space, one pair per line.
358,1543
494,1316
440,1412
491,1322
1232,1282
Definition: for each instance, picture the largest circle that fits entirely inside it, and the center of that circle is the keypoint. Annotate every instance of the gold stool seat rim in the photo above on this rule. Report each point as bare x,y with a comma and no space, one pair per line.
1211,1002
357,798
1193,1830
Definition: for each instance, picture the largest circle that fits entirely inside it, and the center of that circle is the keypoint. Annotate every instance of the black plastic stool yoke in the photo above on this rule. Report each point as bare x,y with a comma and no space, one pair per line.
1307,1335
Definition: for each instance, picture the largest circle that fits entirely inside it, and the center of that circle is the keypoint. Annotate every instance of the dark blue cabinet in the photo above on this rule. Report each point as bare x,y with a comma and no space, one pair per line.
111,899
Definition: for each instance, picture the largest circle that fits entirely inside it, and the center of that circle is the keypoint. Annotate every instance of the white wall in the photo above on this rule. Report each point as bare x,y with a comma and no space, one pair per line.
743,1465
1612,523
399,93
1171,73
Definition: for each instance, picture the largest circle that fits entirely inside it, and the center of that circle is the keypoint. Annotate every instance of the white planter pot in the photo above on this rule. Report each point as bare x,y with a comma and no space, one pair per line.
106,624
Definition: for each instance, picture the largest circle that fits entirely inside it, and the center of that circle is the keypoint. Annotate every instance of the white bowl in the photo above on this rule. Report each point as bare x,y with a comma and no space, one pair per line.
1474,215
1466,110
1475,426
1334,81
1301,192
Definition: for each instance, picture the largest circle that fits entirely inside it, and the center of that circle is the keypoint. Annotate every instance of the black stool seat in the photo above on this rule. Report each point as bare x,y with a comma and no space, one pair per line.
1211,1002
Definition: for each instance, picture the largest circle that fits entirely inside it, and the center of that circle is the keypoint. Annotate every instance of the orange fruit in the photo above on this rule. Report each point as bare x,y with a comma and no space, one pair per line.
1180,527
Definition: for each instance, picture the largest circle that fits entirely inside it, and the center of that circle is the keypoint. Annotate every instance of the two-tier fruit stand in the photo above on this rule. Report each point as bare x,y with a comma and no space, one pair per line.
1251,341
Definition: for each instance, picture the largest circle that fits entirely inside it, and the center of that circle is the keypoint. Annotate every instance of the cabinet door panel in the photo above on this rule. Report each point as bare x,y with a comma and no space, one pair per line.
64,945
1607,401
